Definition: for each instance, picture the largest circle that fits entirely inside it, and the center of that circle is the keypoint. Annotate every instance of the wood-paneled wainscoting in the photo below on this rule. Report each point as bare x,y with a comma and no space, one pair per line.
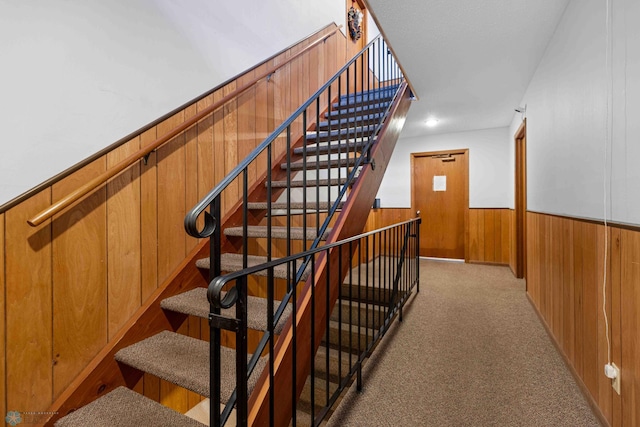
490,231
565,274
69,285
491,235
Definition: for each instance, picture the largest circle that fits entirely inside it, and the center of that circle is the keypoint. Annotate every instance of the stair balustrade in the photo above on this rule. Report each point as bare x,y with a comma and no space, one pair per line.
307,166
379,271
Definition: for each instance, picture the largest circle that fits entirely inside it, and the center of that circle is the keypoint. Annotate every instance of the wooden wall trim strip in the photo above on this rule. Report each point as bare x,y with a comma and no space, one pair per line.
620,225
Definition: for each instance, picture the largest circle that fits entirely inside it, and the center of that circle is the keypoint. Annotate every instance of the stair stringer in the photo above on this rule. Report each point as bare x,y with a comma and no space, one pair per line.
351,221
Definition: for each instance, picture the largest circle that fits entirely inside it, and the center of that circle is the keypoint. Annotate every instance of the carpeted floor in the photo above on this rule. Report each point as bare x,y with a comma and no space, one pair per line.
470,352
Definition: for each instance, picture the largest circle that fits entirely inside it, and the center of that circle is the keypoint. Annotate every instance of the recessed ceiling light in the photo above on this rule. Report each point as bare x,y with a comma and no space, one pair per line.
432,122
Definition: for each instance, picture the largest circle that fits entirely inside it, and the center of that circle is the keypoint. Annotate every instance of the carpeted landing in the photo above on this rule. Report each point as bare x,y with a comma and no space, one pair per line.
470,352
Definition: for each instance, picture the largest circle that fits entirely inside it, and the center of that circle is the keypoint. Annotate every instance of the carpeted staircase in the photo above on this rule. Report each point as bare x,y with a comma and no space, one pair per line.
184,360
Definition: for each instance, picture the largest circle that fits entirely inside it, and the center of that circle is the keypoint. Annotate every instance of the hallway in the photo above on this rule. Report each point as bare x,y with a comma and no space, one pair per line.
481,358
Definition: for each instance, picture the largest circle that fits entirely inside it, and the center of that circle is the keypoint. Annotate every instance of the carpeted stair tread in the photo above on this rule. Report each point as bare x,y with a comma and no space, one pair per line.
322,164
342,147
336,135
350,121
338,366
123,407
344,111
195,303
339,334
259,231
310,206
311,183
184,361
369,315
233,262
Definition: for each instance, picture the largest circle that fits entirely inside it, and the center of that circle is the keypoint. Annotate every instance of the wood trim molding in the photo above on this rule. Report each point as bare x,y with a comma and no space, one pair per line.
621,225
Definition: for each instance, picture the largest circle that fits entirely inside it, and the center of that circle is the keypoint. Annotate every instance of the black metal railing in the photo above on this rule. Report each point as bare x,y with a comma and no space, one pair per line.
379,271
299,177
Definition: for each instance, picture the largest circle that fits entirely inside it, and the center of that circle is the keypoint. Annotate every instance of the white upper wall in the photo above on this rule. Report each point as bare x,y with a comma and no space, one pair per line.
489,168
78,75
568,119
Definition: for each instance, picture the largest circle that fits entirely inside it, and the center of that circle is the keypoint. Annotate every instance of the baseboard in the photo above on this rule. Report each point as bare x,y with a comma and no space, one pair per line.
583,388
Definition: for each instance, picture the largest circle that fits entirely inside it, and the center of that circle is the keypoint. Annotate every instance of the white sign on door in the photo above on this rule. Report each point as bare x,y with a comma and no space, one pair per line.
440,183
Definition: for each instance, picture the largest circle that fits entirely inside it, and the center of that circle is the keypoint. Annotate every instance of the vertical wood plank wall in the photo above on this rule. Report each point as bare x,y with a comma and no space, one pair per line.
490,231
490,235
67,286
565,274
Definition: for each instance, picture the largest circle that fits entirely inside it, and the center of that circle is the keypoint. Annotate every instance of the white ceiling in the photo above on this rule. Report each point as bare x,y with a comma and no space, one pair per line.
469,61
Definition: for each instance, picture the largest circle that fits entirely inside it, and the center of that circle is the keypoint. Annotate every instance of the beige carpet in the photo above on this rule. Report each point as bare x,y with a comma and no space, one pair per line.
470,352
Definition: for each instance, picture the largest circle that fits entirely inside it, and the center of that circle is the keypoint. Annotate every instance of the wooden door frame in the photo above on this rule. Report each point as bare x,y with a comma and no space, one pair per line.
465,152
520,139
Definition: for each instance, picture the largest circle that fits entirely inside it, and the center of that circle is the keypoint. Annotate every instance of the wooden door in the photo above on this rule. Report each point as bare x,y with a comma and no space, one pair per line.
440,191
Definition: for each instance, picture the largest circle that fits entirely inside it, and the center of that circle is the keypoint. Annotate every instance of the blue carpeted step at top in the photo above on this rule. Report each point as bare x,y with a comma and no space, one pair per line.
369,96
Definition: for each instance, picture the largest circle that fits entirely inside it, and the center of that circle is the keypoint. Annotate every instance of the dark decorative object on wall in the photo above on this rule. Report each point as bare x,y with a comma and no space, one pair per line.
355,19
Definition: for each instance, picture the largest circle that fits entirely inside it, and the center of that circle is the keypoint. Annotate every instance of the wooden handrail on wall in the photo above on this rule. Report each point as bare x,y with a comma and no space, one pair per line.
100,180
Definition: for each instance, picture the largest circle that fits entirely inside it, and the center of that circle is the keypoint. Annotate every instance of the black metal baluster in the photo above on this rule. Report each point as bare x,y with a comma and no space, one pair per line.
313,338
241,352
294,343
270,326
288,202
304,181
327,313
269,195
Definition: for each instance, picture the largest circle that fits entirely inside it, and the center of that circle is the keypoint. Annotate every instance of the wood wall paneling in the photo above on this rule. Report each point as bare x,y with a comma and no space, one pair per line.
565,283
192,166
230,147
79,278
3,374
171,198
149,219
578,296
615,321
490,235
590,308
512,241
75,281
630,325
568,290
123,240
261,123
605,395
28,293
